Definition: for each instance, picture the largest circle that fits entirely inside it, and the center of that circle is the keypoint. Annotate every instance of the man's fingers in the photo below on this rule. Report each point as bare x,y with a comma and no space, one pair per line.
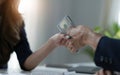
63,41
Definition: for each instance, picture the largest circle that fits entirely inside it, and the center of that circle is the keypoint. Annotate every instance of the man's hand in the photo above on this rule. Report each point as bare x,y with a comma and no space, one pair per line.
81,36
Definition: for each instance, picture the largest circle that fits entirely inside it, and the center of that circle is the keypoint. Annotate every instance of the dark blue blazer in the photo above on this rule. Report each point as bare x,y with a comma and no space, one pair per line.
107,54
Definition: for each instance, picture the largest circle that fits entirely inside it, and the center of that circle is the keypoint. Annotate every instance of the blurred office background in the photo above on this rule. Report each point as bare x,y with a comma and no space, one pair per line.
42,16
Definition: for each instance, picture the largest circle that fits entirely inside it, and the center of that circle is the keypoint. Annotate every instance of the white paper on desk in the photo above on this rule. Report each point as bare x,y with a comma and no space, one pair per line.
49,71
69,73
14,74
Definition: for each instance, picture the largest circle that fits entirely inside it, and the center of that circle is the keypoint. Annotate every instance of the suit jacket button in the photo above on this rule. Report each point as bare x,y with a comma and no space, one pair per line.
106,60
110,61
102,59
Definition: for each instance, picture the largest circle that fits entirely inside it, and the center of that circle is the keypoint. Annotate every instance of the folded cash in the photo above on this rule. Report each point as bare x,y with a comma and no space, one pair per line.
65,24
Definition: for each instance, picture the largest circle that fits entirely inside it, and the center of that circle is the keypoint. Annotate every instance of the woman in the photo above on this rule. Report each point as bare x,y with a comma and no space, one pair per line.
13,38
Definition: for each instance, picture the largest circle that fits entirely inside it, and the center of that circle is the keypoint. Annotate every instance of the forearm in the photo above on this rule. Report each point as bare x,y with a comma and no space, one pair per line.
33,60
93,40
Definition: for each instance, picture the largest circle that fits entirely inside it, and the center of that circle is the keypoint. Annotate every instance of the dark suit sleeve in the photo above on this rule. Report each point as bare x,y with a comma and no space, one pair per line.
22,49
107,54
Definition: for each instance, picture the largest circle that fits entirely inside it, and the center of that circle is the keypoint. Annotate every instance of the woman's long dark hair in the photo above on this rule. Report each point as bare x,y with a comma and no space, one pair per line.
10,26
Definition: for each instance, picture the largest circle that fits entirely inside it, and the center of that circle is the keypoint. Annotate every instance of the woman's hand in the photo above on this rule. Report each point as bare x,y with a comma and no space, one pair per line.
58,39
103,72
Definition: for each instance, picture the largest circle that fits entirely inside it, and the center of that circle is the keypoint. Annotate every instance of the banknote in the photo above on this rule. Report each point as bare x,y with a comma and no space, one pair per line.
65,24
